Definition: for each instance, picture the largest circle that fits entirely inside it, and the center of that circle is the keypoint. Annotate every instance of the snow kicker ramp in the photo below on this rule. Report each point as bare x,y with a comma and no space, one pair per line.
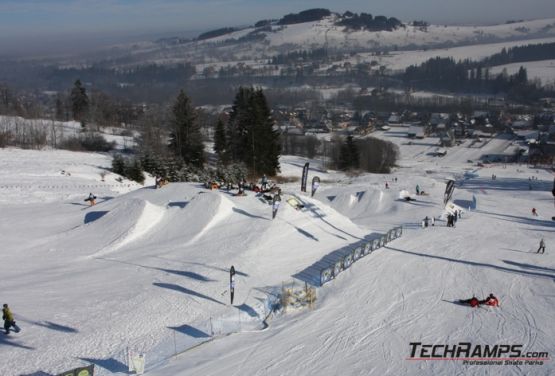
110,226
362,202
185,223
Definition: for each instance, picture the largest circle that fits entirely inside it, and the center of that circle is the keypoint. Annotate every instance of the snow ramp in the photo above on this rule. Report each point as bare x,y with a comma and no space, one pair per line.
185,224
108,226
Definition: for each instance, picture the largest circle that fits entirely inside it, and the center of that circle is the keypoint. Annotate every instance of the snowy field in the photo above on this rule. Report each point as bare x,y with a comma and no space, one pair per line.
147,269
543,70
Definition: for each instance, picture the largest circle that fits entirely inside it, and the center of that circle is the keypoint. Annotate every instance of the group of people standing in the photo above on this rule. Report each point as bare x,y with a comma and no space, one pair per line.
452,218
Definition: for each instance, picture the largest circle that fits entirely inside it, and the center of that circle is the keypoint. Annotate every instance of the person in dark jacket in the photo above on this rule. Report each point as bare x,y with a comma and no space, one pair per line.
473,302
7,316
542,246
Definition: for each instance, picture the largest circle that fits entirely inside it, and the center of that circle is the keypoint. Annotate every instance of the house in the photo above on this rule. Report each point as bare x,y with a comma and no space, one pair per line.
438,118
394,119
527,135
415,131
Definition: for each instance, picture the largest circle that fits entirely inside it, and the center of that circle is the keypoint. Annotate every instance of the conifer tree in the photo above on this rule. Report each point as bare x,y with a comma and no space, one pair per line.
220,142
135,172
79,102
349,156
185,137
118,165
251,138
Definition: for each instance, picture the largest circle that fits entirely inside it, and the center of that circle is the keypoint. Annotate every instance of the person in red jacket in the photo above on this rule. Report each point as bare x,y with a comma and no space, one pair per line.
473,302
491,300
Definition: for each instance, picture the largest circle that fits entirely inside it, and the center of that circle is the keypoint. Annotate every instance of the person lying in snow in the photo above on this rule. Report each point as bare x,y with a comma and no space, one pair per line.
491,300
473,302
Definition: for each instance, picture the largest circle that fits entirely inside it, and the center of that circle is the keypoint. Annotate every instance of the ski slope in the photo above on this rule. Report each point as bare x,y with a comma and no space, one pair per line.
86,283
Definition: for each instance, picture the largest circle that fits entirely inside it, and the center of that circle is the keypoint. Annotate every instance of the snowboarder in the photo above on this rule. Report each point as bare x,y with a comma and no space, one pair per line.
315,185
91,199
542,246
275,205
491,301
473,302
7,316
264,182
232,282
426,221
417,190
534,212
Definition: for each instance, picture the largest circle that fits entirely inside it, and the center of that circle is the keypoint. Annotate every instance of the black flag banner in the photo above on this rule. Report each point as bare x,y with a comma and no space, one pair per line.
449,191
305,177
81,371
553,191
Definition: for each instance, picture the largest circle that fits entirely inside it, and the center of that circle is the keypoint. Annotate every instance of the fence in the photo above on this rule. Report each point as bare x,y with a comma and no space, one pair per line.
333,264
176,340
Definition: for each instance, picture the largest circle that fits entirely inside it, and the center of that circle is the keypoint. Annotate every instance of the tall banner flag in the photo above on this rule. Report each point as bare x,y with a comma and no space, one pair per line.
305,177
449,191
315,185
553,191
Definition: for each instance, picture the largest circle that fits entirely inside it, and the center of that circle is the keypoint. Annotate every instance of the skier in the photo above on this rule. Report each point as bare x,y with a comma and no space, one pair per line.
534,212
232,282
491,301
542,246
473,302
91,199
7,316
417,190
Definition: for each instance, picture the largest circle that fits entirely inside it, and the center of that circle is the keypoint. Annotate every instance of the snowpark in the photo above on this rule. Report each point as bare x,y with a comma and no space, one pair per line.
147,270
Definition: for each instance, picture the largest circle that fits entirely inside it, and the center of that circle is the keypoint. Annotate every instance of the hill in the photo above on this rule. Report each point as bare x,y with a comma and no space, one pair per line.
147,269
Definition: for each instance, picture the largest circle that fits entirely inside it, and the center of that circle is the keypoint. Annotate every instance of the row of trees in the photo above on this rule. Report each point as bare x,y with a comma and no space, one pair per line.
468,76
365,21
518,54
244,142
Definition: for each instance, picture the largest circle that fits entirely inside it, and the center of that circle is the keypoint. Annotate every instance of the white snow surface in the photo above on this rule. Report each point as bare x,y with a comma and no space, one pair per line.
86,283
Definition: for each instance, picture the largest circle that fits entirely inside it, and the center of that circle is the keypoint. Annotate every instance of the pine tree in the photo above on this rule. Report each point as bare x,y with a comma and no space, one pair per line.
349,155
118,165
185,138
79,102
251,138
220,142
135,172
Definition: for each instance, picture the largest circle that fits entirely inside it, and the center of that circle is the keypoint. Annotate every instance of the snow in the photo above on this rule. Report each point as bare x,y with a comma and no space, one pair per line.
147,269
543,70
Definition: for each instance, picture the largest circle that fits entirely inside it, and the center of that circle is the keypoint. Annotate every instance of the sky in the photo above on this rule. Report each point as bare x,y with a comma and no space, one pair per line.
34,25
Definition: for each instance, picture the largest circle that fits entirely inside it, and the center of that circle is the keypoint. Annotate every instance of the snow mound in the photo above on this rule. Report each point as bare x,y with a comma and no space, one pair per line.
142,216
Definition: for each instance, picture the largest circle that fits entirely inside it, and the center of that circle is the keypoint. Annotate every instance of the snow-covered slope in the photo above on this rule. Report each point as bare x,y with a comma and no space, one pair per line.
249,45
147,269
